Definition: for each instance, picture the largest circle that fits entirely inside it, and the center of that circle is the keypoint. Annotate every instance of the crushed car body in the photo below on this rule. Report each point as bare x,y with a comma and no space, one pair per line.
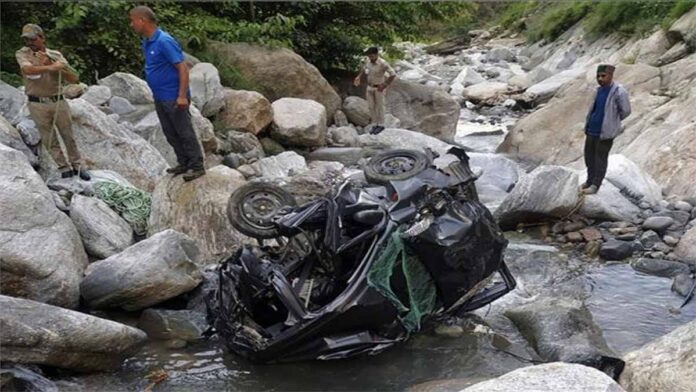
359,270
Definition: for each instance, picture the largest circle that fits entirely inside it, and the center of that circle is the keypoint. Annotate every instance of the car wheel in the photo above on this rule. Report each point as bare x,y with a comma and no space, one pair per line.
395,165
252,207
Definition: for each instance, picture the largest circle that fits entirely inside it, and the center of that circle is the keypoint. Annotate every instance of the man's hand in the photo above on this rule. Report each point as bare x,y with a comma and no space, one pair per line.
182,103
43,58
356,81
57,66
381,87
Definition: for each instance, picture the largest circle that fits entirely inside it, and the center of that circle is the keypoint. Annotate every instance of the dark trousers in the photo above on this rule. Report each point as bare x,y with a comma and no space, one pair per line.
596,158
177,128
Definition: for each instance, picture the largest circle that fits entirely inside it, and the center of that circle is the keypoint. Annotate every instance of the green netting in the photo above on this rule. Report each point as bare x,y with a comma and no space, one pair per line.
132,204
420,286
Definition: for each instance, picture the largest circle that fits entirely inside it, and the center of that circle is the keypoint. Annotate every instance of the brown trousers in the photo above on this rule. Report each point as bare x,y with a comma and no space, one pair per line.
42,114
375,101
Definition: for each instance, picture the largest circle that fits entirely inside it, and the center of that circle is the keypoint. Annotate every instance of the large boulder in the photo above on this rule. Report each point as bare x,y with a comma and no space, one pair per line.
672,164
686,249
652,48
206,90
544,90
665,364
147,273
247,111
278,73
97,95
684,29
425,109
549,377
562,329
628,177
403,138
37,333
356,110
485,91
467,77
199,210
242,143
499,177
128,86
299,122
277,166
41,255
150,129
11,102
105,144
11,138
104,233
546,192
609,204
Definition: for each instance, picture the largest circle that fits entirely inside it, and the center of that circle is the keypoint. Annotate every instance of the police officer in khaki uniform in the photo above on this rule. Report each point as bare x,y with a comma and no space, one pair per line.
44,71
379,76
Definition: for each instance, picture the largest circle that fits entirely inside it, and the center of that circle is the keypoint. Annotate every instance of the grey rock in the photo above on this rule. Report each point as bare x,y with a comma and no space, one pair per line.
342,137
609,204
270,146
247,111
206,91
658,223
544,90
627,176
42,334
30,134
686,249
16,377
662,247
683,206
187,325
104,233
11,138
279,166
278,73
681,218
11,102
97,95
299,122
316,181
41,255
428,110
684,29
562,329
500,54
663,364
682,284
147,273
658,267
671,241
356,110
548,191
107,145
616,250
128,86
340,119
205,220
402,138
649,239
345,155
120,105
549,377
677,52
243,143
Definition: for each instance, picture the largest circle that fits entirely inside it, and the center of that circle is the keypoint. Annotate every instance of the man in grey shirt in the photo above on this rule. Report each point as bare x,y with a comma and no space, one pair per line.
603,123
379,76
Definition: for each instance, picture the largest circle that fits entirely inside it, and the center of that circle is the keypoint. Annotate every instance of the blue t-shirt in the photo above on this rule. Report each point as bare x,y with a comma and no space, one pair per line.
594,125
162,52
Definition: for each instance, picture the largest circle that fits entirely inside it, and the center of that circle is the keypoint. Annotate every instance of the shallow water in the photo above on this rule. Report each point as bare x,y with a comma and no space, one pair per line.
631,308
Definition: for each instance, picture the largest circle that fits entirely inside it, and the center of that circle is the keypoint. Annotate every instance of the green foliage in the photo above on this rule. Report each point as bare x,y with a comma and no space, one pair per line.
229,76
627,16
11,78
557,19
514,15
96,38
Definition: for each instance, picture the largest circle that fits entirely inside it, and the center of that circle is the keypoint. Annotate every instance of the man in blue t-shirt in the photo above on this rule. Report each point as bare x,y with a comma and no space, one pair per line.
603,123
167,75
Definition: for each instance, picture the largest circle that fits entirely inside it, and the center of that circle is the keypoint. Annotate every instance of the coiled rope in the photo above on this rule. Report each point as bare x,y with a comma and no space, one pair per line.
132,204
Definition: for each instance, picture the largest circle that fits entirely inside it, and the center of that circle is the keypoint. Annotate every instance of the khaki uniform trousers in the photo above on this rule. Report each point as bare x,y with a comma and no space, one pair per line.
375,102
42,114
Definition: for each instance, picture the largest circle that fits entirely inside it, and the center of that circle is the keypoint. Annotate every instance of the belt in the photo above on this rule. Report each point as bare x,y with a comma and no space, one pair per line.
375,85
54,98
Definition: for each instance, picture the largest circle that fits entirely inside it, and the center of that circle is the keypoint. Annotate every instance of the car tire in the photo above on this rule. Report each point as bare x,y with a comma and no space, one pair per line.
395,165
252,207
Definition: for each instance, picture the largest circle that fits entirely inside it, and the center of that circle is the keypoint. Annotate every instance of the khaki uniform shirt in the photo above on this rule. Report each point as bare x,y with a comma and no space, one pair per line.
44,84
378,71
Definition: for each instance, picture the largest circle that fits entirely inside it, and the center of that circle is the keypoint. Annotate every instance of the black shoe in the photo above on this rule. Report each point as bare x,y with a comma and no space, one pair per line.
67,174
84,174
586,185
177,170
193,174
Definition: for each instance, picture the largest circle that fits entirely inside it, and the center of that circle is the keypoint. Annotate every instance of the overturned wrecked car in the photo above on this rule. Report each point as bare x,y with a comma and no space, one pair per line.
358,270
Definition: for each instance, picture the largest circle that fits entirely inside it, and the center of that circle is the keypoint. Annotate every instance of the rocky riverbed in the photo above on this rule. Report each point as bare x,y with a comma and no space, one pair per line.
95,286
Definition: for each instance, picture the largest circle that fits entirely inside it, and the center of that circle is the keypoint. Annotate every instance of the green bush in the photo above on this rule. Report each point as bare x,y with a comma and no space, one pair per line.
557,19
